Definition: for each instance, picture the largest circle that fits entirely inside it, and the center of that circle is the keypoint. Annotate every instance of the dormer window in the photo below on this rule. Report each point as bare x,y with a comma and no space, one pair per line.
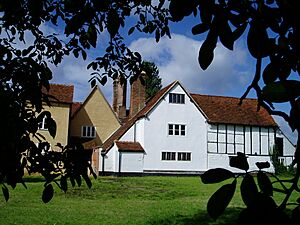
88,132
176,98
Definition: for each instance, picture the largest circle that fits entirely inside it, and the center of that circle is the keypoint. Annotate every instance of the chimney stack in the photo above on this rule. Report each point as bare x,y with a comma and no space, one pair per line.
119,97
137,94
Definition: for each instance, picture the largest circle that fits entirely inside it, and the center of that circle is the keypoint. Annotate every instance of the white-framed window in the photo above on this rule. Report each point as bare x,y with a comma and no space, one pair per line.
170,156
88,131
177,129
184,156
176,98
43,124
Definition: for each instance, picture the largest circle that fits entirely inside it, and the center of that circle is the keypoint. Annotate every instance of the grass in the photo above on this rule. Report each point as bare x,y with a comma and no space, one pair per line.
117,200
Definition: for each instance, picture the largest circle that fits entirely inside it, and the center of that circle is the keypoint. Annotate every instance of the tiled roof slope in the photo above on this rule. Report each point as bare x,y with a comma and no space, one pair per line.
217,109
125,146
119,133
221,109
61,93
75,107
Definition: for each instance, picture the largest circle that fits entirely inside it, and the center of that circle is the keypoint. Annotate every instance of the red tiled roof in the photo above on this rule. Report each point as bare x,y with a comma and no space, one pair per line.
125,146
221,109
61,93
217,109
75,107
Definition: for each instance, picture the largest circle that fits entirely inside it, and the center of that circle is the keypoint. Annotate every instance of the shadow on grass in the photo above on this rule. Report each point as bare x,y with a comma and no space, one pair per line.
229,217
33,179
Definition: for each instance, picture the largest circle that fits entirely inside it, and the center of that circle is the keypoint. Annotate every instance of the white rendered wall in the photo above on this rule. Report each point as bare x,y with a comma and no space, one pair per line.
132,162
109,161
222,161
157,140
288,150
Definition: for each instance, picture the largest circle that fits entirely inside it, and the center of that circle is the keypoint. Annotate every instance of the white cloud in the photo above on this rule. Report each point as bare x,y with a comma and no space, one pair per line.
74,71
177,59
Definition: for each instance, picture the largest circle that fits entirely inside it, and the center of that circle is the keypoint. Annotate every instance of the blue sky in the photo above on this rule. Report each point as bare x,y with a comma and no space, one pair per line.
176,58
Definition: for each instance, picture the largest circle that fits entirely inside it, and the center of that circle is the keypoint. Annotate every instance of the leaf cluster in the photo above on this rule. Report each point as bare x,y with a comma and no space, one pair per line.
25,74
256,195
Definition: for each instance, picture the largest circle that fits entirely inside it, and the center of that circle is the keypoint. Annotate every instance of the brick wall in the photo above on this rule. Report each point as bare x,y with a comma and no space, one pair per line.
137,95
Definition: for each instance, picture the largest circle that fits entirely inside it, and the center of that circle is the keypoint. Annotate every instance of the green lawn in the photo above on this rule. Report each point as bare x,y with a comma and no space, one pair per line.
117,200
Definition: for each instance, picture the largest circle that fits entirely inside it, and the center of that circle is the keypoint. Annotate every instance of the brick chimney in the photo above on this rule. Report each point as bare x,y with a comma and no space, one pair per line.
119,97
137,95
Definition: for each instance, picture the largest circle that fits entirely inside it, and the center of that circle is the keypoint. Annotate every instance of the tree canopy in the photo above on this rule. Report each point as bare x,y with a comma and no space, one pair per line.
272,29
152,79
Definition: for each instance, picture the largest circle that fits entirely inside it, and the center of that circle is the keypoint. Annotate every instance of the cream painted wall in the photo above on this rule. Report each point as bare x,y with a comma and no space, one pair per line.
60,113
95,112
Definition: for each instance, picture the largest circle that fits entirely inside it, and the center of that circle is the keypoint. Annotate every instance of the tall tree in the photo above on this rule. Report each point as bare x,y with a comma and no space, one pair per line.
152,79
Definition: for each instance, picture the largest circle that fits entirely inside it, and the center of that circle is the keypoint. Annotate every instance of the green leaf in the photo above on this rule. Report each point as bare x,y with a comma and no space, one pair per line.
249,190
78,180
264,183
93,83
87,180
92,35
281,91
206,54
142,18
48,193
131,30
51,126
113,22
157,35
216,175
270,73
220,200
5,193
179,9
103,80
206,10
262,165
295,115
84,55
200,28
239,161
225,34
72,181
64,183
76,53
258,40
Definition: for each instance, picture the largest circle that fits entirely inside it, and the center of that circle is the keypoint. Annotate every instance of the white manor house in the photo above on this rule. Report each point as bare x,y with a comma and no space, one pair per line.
177,132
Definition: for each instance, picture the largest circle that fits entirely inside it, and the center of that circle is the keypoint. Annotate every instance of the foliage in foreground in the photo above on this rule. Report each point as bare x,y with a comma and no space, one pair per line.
261,207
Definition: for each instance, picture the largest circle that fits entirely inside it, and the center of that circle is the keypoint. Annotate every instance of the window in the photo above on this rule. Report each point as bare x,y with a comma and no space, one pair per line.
176,129
168,156
43,124
184,156
176,98
88,131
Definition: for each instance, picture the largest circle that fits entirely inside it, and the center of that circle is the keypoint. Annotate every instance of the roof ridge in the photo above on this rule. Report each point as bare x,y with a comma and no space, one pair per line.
67,85
221,96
